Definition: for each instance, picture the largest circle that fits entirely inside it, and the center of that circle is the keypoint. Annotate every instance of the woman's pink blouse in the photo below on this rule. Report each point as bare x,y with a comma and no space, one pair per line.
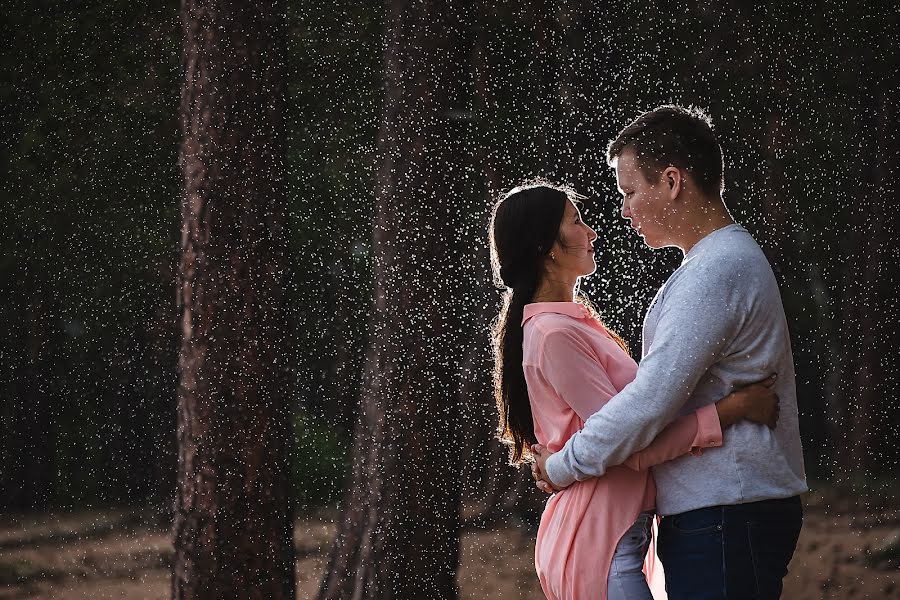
572,368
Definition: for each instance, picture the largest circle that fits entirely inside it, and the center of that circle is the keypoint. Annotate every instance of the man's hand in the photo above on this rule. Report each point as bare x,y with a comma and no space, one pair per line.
539,469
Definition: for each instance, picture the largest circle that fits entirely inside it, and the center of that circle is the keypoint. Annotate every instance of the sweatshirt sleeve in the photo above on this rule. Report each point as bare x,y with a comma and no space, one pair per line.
690,433
699,316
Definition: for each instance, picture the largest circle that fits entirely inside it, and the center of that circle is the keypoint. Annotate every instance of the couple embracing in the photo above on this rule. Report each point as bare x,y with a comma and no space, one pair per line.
702,435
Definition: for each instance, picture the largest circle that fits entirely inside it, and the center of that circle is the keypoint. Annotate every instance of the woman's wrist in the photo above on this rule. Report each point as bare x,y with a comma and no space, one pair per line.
730,409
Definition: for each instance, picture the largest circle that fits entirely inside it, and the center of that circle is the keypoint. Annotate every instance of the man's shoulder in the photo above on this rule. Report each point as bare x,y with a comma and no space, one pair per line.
734,269
733,255
738,242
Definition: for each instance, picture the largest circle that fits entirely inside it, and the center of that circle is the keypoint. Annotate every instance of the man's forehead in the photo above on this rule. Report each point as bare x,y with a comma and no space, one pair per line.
626,160
623,172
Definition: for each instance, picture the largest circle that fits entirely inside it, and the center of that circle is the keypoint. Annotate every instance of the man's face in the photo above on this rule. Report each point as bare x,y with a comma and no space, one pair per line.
645,204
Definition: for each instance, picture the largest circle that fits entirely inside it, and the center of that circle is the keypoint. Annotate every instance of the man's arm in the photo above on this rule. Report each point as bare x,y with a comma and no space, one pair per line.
698,318
756,403
688,434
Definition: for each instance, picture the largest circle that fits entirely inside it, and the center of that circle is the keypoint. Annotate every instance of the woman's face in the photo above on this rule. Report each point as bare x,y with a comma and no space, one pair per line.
574,250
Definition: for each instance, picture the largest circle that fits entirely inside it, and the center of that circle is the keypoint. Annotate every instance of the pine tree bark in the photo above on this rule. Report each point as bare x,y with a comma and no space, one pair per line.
869,291
233,519
501,493
28,479
399,536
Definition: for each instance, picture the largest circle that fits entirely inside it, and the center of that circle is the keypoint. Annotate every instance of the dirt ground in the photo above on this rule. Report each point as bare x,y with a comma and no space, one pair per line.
121,555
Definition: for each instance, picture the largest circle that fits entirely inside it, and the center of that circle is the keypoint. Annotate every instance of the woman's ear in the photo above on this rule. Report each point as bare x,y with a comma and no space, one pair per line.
551,256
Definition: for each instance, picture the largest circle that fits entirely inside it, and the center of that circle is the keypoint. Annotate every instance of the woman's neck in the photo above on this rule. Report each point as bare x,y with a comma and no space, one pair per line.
551,290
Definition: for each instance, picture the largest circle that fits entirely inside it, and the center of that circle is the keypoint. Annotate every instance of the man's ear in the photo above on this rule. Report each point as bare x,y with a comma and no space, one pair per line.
673,179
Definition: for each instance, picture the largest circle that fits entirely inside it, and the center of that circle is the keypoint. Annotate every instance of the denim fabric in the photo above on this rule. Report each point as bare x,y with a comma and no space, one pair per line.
736,552
626,578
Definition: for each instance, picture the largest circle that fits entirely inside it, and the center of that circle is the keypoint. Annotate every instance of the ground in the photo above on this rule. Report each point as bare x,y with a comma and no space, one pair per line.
125,555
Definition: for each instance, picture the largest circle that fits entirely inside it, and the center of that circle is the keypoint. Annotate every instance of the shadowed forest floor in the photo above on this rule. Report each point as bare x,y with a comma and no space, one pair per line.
125,554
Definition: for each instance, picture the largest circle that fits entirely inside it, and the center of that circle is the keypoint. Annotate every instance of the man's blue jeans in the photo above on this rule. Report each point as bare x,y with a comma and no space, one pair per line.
730,552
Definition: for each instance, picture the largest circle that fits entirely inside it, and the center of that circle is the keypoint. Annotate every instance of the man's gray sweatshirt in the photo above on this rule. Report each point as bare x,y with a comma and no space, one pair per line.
715,326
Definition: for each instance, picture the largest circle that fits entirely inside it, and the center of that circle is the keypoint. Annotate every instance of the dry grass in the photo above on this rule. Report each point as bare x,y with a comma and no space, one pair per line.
122,555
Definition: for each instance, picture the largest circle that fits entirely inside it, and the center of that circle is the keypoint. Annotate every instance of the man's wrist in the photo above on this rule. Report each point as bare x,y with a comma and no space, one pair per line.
555,470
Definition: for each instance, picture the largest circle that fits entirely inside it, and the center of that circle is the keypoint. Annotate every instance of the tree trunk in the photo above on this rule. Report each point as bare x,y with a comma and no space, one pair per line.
500,492
868,295
233,519
28,474
399,536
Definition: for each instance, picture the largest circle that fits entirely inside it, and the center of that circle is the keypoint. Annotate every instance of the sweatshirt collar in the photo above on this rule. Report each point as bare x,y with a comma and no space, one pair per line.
705,240
571,309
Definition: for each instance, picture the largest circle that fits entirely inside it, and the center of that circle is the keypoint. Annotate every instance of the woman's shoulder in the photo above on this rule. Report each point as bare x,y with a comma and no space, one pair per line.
560,329
547,322
553,332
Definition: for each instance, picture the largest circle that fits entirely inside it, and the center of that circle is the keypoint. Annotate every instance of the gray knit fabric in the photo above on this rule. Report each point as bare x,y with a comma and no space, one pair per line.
716,325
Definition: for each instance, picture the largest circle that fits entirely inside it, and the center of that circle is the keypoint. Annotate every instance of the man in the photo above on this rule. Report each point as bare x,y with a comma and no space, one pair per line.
732,515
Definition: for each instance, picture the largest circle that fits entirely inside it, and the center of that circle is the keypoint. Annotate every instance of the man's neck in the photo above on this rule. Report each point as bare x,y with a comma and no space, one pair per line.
707,218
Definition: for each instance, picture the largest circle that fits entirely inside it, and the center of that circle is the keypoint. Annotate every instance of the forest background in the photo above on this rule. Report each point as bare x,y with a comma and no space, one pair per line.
804,98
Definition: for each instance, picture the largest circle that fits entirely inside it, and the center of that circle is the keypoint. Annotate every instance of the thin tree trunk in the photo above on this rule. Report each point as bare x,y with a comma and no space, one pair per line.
866,297
884,255
500,491
399,536
28,484
233,520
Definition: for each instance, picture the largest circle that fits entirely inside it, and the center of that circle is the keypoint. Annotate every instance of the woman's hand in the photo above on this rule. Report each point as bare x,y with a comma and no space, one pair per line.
756,402
539,469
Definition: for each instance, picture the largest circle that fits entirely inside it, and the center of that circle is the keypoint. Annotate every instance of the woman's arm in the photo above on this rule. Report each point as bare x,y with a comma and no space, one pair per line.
703,428
570,366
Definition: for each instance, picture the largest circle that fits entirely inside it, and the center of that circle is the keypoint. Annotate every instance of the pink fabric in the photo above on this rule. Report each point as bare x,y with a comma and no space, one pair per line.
572,368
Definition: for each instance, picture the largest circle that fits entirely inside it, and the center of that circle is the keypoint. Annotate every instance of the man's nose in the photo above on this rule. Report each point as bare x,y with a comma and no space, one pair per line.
626,211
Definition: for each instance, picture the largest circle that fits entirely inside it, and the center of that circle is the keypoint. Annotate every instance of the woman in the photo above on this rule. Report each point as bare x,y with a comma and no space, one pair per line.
555,365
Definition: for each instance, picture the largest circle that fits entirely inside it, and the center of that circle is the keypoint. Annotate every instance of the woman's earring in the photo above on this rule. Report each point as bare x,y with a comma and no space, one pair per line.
552,256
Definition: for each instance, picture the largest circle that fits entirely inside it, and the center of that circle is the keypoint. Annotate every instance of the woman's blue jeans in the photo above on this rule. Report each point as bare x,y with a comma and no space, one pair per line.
730,552
626,577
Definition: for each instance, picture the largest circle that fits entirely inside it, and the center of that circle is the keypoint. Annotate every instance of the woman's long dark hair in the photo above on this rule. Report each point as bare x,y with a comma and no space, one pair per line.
524,225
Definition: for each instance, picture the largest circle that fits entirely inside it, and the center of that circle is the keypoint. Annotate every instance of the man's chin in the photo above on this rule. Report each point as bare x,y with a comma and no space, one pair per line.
650,242
655,244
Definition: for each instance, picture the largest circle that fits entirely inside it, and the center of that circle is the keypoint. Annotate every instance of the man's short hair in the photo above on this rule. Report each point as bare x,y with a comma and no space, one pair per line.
673,136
